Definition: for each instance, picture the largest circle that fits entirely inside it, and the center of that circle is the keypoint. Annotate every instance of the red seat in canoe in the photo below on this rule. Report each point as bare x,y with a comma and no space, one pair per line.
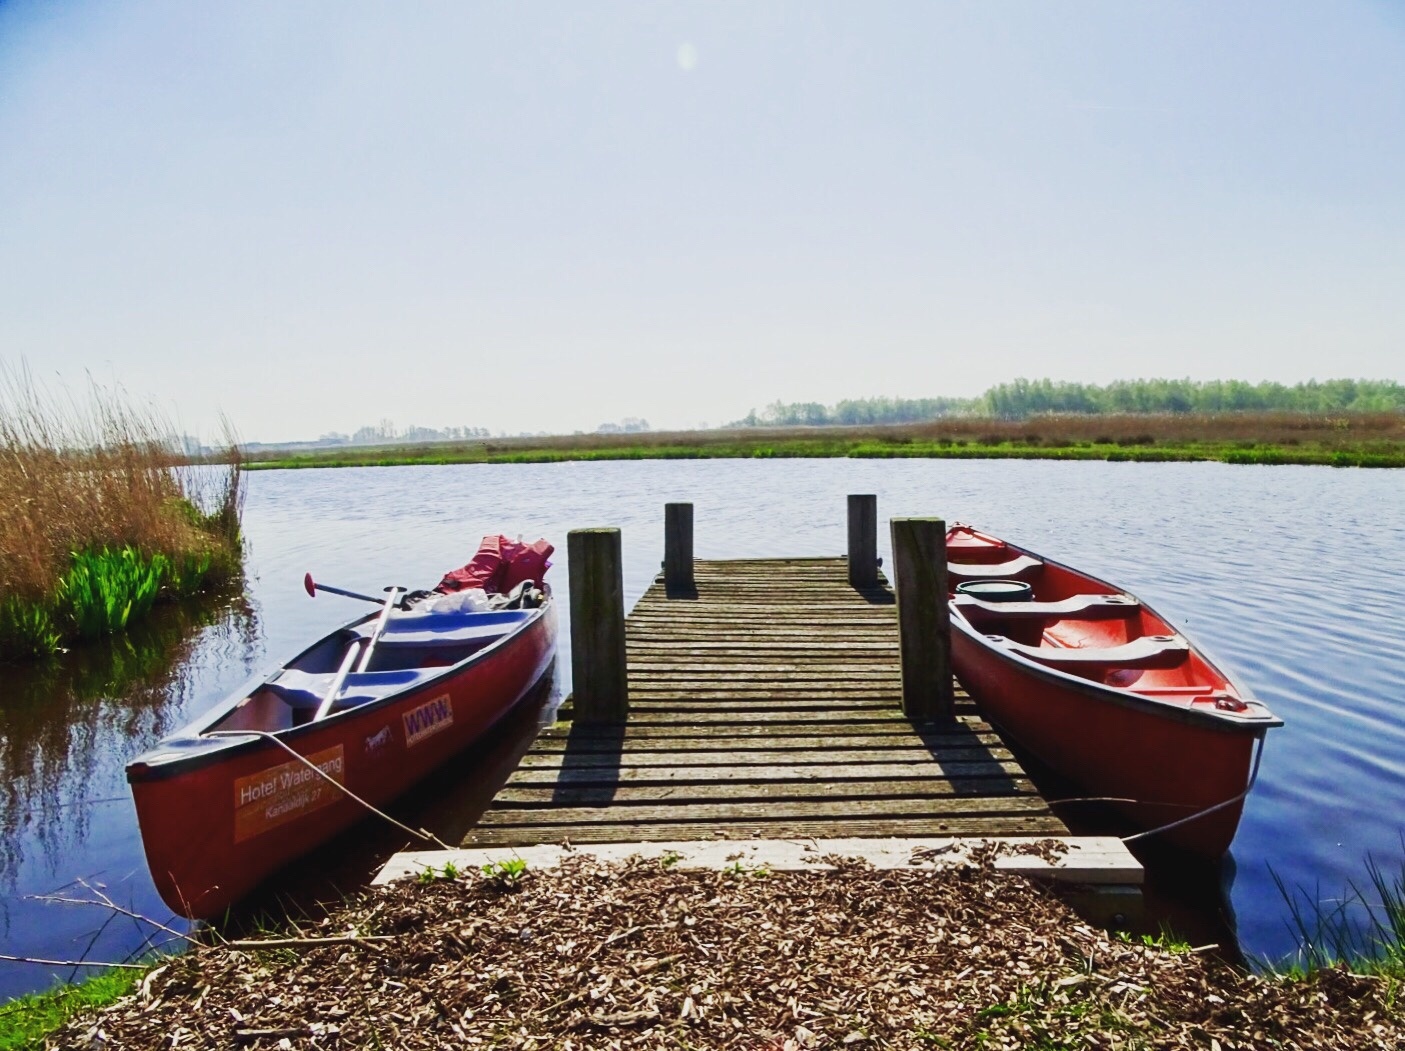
1149,651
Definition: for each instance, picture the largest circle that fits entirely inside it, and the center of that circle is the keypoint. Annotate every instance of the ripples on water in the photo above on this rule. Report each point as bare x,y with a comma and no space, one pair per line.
1290,575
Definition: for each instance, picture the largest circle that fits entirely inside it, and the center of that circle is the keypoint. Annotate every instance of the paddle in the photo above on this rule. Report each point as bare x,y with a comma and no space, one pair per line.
350,658
313,587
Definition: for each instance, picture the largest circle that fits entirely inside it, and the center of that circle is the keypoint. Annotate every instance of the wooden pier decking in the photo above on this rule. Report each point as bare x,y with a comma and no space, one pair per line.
766,703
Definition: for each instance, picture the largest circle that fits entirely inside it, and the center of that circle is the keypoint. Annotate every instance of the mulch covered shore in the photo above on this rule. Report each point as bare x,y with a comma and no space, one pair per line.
645,955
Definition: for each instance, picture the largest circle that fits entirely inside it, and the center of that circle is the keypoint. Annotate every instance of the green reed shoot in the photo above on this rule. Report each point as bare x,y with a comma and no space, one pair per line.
1363,930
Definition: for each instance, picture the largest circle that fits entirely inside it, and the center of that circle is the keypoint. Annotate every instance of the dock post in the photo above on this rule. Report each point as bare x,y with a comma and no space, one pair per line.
863,541
678,549
924,624
600,683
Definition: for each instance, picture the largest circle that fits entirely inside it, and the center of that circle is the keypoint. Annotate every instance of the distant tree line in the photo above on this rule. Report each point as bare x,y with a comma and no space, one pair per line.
858,411
628,425
386,433
1021,398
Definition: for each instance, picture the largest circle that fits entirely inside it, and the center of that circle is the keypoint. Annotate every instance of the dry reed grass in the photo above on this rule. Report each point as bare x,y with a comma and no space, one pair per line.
98,473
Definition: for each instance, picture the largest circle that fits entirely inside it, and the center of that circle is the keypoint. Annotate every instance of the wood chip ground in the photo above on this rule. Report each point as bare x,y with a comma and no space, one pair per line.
641,955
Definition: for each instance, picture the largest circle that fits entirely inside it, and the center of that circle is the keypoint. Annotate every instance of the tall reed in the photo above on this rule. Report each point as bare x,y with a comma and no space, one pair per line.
1363,930
100,512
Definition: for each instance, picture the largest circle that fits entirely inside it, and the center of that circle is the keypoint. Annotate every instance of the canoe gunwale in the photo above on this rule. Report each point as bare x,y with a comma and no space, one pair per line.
204,749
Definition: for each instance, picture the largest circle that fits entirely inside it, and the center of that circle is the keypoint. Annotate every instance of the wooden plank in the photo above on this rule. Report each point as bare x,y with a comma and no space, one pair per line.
813,721
932,808
763,742
741,831
818,689
743,668
880,729
825,647
763,605
780,694
779,758
538,775
688,616
560,796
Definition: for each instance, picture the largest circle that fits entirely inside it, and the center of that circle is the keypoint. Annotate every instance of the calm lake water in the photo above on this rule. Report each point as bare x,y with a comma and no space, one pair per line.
1290,575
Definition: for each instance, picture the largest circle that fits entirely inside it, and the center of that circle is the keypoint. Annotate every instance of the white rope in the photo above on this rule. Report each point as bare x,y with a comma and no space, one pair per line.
424,834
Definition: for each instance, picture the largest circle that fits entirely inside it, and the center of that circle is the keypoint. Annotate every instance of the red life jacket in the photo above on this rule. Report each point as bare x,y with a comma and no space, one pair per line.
500,565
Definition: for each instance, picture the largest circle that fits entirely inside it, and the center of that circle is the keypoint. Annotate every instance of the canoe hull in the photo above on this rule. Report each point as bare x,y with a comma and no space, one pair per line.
214,829
1104,690
1172,769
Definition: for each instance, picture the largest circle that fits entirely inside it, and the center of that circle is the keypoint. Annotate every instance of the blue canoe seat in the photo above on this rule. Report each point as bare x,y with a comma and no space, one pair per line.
1149,651
447,629
1081,607
1019,566
305,690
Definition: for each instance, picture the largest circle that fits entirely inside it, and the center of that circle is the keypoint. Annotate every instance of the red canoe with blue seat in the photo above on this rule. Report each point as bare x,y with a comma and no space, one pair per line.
369,709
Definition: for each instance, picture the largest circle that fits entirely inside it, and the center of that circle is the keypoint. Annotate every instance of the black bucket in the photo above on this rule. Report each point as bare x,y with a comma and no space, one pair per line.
996,590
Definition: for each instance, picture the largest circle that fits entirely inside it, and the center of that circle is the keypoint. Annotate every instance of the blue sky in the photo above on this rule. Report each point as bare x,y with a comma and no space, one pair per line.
545,216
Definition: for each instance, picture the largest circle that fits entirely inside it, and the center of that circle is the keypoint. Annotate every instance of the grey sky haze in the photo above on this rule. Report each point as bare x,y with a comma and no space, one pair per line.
545,216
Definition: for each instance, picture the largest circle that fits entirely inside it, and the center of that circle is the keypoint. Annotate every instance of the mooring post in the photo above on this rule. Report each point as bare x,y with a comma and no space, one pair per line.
600,682
863,541
924,626
678,548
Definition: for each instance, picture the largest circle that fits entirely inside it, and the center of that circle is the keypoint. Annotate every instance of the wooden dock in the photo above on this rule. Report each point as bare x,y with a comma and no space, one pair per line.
765,701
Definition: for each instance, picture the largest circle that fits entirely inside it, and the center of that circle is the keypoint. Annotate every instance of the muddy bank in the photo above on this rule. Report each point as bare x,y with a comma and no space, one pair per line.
643,955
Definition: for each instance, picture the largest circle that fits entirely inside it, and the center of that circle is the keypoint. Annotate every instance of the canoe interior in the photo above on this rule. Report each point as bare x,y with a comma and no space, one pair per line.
415,648
1123,644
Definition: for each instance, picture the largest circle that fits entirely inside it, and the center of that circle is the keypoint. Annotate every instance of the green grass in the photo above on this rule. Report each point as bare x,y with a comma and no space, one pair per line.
103,592
1143,450
105,589
26,1021
27,630
1166,941
506,873
1363,930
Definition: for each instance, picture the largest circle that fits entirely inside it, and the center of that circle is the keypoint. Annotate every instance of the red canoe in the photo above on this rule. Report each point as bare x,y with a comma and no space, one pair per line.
238,794
1103,690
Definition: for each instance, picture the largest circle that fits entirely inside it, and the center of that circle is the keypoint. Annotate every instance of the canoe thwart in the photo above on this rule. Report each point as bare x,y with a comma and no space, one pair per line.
1145,652
1084,607
1019,566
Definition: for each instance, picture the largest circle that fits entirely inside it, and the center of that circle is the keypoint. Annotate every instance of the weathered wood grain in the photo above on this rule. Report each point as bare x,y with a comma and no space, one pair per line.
626,831
765,699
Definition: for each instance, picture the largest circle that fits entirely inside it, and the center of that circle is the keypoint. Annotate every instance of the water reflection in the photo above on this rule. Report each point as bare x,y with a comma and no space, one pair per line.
67,729
66,726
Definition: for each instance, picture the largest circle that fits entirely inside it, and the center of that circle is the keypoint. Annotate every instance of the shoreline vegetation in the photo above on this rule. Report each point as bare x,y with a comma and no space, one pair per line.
642,954
1341,439
102,515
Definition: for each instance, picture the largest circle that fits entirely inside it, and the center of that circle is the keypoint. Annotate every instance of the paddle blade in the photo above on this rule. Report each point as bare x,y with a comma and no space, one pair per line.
309,585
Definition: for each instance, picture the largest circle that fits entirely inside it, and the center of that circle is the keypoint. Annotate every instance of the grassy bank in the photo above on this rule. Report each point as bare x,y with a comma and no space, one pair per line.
101,517
644,955
25,1022
1365,440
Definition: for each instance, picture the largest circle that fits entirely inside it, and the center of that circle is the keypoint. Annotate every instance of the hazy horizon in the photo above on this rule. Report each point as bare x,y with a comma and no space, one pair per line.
313,218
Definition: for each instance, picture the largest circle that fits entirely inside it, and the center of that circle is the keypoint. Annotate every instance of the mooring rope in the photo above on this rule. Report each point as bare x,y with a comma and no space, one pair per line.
424,834
1253,776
